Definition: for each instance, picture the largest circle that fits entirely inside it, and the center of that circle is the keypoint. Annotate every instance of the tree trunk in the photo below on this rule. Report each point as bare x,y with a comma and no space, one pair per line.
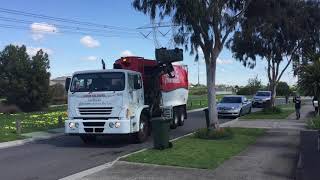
273,87
211,81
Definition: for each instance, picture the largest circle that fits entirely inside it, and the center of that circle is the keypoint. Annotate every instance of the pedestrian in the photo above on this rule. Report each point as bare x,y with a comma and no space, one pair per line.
315,103
297,105
287,98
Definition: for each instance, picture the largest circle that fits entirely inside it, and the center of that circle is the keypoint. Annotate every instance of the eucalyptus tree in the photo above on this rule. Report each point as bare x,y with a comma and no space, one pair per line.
201,24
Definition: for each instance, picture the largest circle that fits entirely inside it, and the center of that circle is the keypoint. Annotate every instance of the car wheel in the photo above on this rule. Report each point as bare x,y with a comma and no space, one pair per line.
240,113
88,139
143,133
181,117
175,120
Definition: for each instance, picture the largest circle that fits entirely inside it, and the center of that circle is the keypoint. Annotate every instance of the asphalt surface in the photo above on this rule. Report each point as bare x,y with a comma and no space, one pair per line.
66,155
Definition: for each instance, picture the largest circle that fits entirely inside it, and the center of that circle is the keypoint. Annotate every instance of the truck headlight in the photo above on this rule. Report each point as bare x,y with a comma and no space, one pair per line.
73,125
117,124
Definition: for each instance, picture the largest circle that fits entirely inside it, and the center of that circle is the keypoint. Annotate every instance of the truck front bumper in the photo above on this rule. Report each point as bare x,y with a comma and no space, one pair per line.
110,126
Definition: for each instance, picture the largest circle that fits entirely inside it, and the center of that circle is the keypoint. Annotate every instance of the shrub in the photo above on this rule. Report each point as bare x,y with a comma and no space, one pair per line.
214,134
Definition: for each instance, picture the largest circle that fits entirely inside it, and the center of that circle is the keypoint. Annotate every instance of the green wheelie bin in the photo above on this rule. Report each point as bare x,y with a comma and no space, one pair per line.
160,132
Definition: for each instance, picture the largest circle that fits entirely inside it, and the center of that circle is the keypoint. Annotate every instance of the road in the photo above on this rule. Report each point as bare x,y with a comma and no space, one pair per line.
66,155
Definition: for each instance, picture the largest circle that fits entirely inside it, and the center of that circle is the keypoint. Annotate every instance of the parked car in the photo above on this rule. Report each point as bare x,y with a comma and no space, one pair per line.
233,105
261,98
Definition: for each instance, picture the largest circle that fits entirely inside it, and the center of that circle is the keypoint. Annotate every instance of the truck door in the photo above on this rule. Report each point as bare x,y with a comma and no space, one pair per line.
135,91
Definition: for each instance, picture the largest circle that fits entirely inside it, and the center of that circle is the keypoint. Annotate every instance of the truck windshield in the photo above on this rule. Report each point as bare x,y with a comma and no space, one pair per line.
110,81
263,94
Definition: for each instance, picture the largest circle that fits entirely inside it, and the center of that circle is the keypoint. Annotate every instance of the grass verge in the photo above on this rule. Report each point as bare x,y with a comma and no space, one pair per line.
31,122
314,123
199,101
285,111
199,153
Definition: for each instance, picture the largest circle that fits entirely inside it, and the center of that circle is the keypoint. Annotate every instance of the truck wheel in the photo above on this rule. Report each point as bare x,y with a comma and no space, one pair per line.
143,133
175,119
181,117
88,139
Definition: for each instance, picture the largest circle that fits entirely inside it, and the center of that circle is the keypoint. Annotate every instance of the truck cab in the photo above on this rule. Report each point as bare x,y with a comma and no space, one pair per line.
105,102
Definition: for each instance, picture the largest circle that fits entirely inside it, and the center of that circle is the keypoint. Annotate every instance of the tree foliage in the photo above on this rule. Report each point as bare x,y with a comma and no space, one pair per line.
203,24
309,78
254,85
283,89
23,79
274,31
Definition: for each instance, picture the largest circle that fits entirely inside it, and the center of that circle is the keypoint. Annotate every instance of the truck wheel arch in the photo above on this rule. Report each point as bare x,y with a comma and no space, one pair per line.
139,111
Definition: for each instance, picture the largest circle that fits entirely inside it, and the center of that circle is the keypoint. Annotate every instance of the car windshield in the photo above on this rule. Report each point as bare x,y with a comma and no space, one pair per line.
231,100
111,81
263,94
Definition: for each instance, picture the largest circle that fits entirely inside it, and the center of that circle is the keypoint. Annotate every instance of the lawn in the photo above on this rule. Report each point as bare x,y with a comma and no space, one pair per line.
199,153
35,121
286,110
199,101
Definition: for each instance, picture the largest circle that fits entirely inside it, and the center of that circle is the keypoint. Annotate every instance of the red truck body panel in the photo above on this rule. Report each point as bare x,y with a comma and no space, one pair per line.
147,66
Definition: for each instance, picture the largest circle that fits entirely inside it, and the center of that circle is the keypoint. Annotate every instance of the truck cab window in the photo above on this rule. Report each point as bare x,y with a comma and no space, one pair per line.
134,82
91,82
137,82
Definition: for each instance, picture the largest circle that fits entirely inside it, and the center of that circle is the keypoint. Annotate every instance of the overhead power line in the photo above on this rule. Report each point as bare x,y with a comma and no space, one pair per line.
64,20
6,26
75,28
72,26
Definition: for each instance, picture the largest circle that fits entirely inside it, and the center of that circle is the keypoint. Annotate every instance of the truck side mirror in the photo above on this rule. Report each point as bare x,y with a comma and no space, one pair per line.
67,84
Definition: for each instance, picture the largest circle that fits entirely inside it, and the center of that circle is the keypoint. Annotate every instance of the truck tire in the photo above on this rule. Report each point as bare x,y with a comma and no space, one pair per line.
144,130
175,119
88,139
181,114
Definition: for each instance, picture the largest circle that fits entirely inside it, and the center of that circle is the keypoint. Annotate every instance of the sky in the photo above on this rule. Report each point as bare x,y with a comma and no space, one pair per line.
70,51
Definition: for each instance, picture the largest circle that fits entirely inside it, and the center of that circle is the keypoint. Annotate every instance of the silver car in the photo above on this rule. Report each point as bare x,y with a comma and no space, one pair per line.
234,106
261,98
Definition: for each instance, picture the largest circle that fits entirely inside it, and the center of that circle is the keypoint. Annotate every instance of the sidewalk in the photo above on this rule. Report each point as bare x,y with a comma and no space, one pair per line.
289,123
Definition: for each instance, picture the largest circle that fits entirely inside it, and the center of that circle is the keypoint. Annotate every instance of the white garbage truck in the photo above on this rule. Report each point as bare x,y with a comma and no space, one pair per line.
123,100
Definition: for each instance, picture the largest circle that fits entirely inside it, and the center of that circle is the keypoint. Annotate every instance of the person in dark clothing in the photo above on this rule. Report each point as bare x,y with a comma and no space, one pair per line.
297,105
315,103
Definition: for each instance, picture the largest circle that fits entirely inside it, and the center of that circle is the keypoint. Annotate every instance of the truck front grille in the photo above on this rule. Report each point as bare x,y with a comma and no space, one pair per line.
93,124
95,110
93,130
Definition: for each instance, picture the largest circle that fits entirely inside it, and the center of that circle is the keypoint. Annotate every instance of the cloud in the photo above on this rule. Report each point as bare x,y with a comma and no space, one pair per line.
39,30
32,51
91,58
89,42
126,53
224,61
